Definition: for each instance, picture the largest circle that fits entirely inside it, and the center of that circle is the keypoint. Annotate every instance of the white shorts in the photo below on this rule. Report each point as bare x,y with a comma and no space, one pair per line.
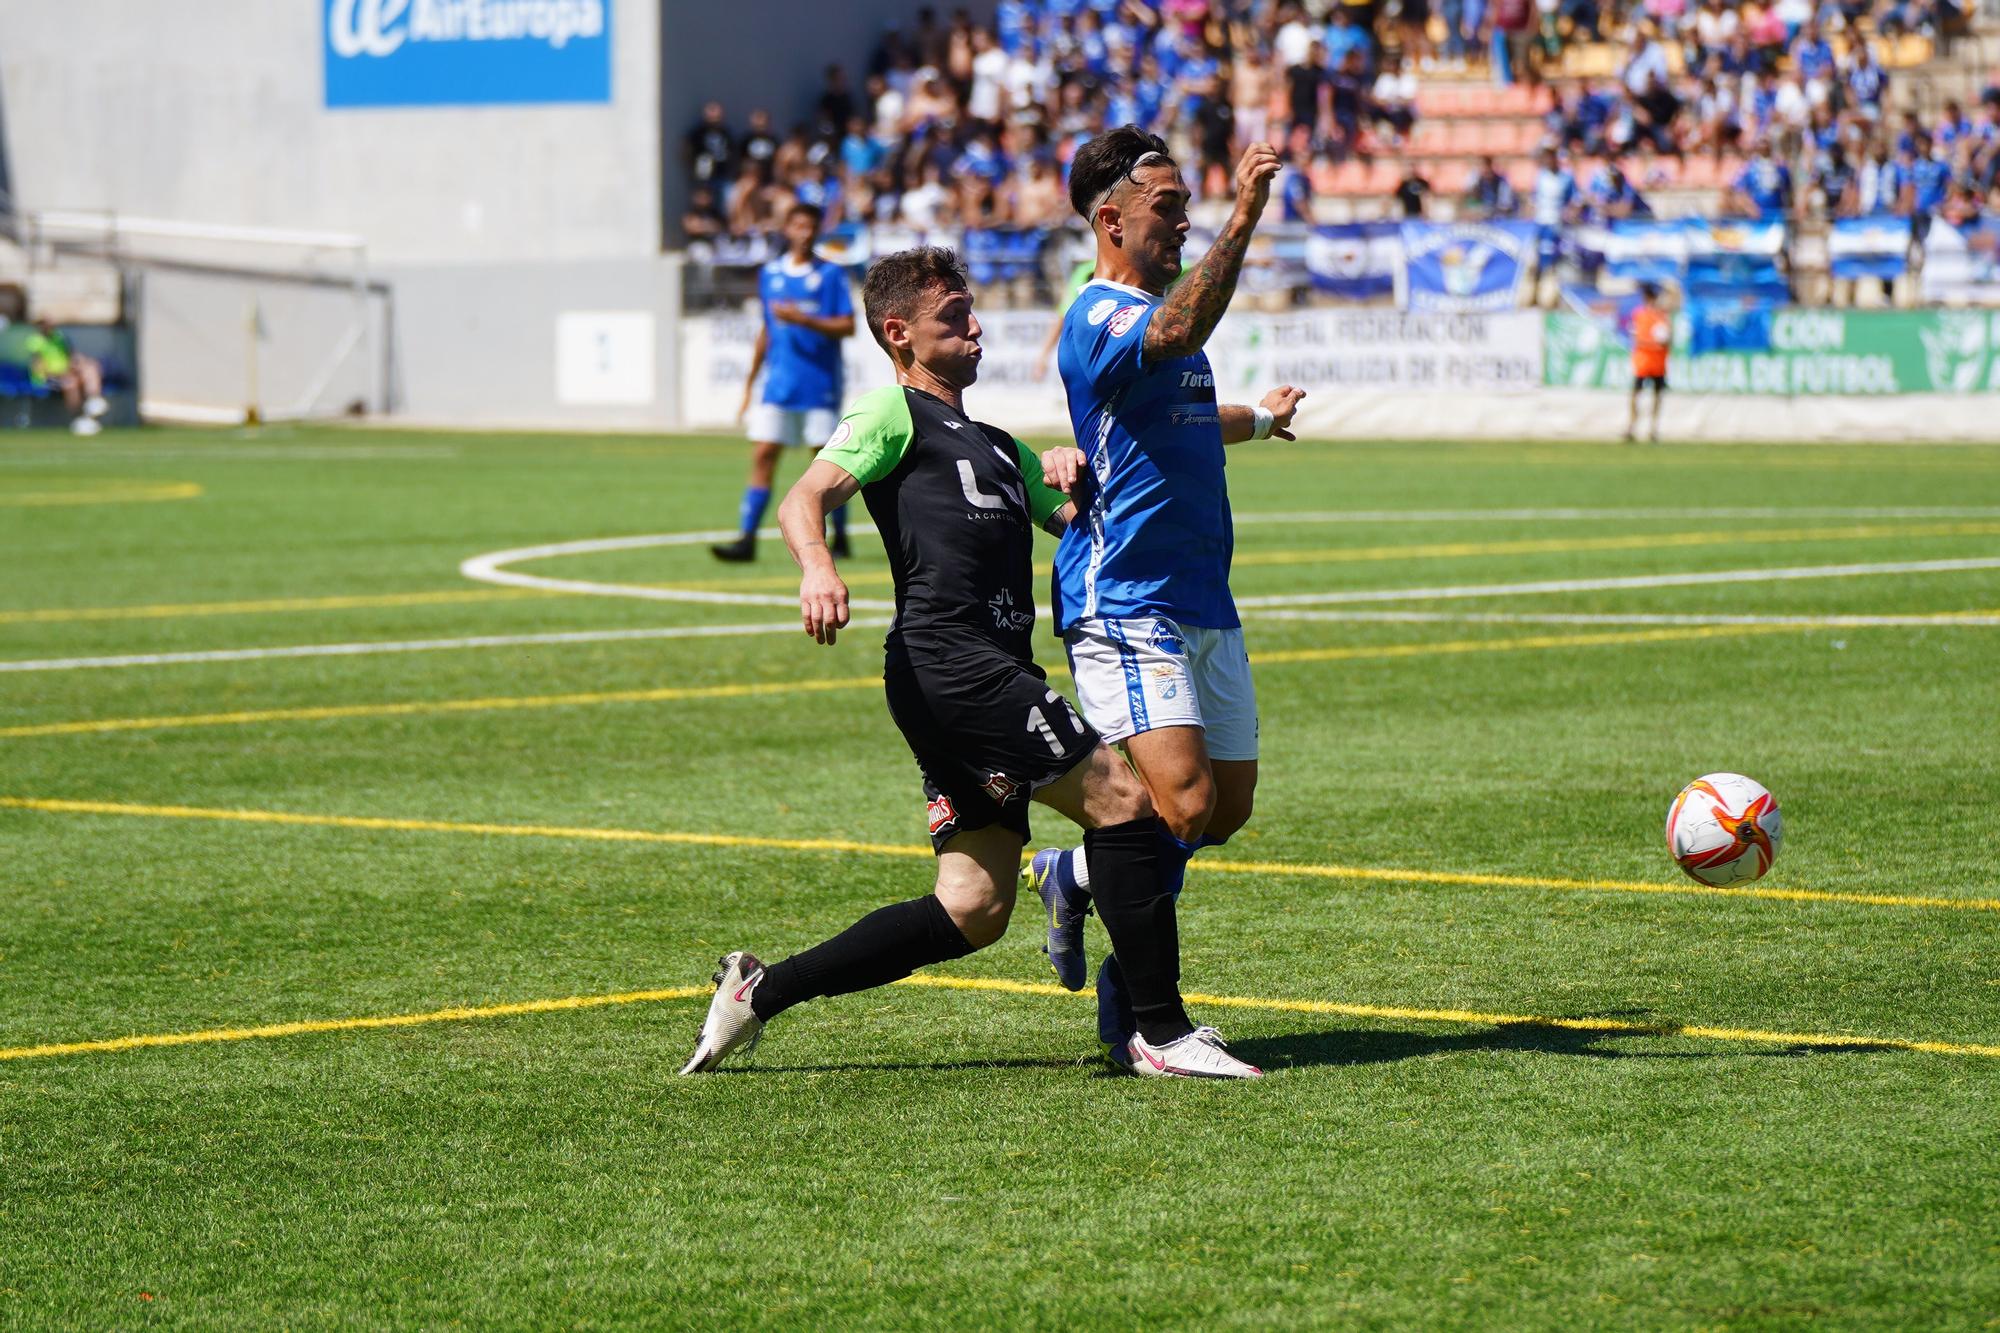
1139,675
767,423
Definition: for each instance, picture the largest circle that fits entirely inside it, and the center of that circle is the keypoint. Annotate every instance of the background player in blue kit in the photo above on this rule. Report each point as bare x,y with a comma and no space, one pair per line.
807,311
1142,576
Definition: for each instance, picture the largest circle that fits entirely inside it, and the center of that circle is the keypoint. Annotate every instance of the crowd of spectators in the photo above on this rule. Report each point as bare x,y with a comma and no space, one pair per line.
959,124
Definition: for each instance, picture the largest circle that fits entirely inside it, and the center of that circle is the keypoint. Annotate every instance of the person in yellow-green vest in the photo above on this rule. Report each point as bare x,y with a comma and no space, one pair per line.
54,363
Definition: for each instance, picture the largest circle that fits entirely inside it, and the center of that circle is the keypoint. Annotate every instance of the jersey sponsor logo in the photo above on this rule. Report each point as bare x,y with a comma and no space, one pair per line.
1000,787
943,814
1167,638
840,435
1127,316
1197,379
1005,616
1101,311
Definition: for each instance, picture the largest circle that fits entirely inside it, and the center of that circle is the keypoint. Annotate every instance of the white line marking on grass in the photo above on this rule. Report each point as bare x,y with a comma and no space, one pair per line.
416,645
492,568
1782,575
1940,619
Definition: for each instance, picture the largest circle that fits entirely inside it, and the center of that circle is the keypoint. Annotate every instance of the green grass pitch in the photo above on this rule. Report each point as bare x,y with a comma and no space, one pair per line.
1445,1139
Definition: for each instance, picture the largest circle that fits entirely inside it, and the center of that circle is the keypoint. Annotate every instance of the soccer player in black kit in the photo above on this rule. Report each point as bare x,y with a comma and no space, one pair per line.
957,503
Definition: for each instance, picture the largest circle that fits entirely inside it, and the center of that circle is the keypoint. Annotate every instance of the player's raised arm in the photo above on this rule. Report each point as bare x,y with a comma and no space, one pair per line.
1184,321
802,518
1272,417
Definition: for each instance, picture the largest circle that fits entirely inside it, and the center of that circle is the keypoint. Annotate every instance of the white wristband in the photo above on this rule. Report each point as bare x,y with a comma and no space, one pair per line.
1262,420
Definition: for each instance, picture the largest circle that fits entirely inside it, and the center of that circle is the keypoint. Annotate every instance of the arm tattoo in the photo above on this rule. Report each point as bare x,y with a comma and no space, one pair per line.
1180,327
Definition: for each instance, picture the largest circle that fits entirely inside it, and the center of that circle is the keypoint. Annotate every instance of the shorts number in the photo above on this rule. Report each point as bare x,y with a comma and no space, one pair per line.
1036,722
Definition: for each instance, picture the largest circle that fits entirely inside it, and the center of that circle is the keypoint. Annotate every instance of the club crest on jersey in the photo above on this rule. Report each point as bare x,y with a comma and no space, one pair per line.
1127,316
1101,311
840,435
943,814
1000,787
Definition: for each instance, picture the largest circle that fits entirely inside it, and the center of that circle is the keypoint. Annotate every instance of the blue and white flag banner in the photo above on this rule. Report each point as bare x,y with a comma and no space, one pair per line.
1962,264
1640,251
1710,237
1356,260
1464,268
1874,247
382,53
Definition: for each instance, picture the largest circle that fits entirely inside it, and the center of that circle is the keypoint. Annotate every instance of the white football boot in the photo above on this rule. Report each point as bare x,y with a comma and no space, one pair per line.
731,1024
1200,1054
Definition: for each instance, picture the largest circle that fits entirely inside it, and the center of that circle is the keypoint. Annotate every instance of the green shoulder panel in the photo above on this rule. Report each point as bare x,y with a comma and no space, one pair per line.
873,437
1043,499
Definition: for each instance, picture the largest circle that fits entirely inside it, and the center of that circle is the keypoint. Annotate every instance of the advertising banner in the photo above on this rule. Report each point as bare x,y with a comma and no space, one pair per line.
1877,247
1962,264
384,53
1811,352
1325,352
1464,268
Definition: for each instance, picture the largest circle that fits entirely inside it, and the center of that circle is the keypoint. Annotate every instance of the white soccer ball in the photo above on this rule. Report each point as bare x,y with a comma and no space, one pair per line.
1724,829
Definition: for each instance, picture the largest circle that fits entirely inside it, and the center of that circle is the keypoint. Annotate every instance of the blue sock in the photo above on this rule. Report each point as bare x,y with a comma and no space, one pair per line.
755,500
840,524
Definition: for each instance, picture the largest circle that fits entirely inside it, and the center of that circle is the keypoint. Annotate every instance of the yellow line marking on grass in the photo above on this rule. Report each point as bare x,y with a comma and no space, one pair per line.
1613,1026
57,806
456,1014
135,492
428,707
1205,866
1397,1013
262,606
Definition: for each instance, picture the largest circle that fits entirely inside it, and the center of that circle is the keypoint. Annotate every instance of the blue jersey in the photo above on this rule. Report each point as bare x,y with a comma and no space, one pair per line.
802,366
1156,539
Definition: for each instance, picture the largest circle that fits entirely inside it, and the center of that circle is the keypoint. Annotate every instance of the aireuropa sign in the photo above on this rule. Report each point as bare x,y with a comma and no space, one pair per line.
466,52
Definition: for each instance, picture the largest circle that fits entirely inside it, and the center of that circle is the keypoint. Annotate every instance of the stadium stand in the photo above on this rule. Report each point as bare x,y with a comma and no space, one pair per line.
1841,109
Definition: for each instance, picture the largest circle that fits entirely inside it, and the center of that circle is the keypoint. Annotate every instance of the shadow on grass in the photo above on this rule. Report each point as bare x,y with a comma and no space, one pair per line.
903,1066
1371,1046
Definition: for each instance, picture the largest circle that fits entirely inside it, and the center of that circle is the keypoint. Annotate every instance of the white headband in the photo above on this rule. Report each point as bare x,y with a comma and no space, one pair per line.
1144,159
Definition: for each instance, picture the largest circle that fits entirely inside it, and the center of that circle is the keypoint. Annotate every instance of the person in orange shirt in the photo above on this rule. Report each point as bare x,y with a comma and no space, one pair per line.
1652,330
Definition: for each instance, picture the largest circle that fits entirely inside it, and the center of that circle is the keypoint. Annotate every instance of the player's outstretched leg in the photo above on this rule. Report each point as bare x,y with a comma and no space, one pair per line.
968,911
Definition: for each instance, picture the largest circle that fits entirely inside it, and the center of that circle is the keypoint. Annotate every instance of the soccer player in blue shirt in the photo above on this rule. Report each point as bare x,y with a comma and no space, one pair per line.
1142,576
807,311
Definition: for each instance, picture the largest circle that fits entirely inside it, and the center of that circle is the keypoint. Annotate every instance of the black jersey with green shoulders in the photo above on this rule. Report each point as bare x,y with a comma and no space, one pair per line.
957,503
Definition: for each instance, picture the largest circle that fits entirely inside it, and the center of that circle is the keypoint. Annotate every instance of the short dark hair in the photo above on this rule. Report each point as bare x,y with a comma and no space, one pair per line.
1106,160
801,206
895,281
1649,290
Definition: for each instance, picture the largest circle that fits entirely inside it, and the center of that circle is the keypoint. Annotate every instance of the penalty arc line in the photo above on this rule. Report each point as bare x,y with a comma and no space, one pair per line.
1206,866
1609,1027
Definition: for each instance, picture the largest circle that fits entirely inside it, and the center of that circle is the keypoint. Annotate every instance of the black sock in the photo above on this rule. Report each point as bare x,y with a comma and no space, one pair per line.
884,946
1137,910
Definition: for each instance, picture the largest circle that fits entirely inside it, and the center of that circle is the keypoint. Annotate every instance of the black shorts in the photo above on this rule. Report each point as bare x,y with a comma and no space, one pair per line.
987,732
1659,383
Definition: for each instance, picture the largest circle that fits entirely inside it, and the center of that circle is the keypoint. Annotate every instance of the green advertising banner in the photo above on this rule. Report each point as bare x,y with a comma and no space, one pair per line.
1860,352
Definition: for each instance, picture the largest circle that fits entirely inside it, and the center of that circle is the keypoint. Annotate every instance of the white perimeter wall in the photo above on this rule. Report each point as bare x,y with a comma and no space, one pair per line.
212,111
1369,375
